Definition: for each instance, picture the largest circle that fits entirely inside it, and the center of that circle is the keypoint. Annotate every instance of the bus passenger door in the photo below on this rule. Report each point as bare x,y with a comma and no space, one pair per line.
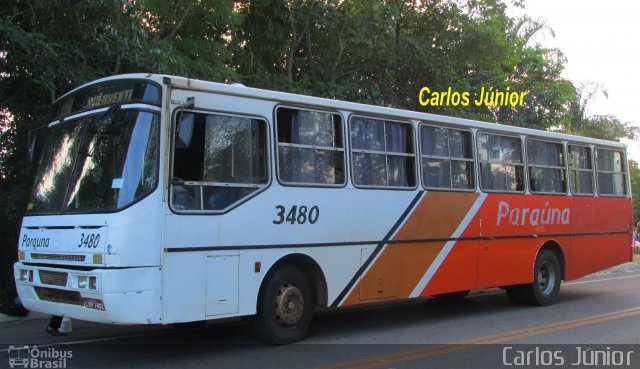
222,285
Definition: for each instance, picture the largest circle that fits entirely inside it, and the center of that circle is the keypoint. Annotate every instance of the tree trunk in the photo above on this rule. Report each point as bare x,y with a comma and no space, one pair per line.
116,69
179,23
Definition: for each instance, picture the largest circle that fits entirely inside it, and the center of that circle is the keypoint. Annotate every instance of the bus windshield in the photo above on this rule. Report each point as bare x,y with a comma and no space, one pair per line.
100,162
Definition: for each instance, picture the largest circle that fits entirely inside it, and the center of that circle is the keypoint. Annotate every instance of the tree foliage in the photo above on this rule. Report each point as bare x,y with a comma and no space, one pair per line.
607,127
49,47
383,52
372,51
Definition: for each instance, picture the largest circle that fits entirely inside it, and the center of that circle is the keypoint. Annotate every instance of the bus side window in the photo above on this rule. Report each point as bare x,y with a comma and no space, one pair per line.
310,147
383,153
225,162
447,158
610,171
580,170
501,164
185,197
545,162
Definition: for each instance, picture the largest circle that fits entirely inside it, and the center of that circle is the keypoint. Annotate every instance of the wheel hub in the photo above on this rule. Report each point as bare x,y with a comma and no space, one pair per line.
546,278
289,305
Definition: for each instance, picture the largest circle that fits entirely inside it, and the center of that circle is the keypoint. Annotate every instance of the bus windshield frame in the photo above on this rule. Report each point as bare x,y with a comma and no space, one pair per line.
104,161
105,94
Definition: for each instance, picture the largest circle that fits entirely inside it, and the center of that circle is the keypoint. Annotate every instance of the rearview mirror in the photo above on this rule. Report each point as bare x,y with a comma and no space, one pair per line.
184,131
32,146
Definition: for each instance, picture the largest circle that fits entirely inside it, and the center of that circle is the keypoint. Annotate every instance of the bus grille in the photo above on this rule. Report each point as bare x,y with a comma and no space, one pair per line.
58,257
55,295
53,278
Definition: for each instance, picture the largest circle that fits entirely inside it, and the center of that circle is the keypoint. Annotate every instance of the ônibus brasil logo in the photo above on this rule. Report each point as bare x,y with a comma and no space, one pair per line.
32,357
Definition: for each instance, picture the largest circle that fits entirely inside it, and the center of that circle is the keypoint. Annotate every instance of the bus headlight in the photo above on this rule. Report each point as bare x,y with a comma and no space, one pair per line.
87,282
25,275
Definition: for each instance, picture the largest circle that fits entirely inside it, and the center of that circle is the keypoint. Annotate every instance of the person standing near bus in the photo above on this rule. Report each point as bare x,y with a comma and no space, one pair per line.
54,326
636,235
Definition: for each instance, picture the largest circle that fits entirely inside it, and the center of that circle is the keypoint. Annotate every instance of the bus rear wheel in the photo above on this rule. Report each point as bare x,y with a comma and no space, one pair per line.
546,282
285,307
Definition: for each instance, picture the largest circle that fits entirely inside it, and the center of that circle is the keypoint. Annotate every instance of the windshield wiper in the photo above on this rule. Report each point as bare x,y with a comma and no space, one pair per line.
107,112
95,125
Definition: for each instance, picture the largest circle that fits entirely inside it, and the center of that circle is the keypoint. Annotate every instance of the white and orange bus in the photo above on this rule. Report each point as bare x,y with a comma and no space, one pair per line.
162,200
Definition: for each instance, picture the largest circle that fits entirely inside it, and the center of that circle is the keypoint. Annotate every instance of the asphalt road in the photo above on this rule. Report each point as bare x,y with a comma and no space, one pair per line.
597,318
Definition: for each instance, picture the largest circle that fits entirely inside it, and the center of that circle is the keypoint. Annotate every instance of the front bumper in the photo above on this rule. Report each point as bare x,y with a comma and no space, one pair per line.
121,296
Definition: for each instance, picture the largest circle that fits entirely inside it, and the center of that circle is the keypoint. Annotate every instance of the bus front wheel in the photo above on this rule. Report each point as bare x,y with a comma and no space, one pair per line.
285,307
546,282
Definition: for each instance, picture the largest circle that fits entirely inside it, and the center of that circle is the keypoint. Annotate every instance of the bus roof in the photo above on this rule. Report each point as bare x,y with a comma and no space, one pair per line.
360,108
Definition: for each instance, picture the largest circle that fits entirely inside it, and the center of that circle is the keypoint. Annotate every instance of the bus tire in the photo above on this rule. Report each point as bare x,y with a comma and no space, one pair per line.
546,282
285,307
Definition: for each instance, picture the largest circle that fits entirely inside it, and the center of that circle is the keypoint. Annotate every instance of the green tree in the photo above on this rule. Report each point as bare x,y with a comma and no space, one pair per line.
384,52
607,127
50,47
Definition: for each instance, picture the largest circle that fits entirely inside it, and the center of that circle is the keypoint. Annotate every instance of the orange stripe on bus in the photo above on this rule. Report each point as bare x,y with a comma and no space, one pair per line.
400,267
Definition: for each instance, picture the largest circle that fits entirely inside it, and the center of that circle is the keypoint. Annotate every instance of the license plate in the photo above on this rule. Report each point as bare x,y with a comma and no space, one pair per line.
90,303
